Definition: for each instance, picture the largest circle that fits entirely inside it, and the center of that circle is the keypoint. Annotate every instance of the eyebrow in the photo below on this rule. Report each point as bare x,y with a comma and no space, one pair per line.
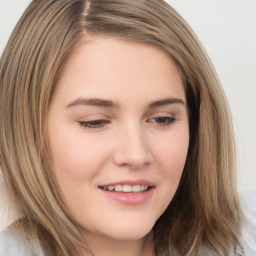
94,102
164,102
112,104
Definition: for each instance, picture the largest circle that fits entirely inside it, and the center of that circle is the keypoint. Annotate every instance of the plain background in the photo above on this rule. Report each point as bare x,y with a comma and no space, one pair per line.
227,29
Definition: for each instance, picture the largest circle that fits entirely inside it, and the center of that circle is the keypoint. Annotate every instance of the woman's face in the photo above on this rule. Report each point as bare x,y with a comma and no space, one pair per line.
119,136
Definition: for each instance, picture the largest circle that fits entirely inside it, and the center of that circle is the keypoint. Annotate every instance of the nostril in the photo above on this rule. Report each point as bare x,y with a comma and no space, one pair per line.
132,161
132,149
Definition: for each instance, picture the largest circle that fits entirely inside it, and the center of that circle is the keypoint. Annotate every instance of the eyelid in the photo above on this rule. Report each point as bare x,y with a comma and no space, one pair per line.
161,114
161,118
94,124
96,116
94,121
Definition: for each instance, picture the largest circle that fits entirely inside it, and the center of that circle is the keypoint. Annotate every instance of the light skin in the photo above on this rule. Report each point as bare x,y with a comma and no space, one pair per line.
118,115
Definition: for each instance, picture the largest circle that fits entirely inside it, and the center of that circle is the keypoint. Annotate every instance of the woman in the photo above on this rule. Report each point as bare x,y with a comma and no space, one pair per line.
116,138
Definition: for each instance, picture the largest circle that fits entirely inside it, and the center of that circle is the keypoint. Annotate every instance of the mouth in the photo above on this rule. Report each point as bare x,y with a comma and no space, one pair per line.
129,192
126,188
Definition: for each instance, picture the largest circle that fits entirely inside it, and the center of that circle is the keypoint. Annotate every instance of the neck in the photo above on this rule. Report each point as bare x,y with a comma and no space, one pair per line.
102,246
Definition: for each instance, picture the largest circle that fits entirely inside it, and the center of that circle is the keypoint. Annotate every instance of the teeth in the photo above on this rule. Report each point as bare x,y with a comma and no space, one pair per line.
111,188
143,187
118,188
126,188
136,188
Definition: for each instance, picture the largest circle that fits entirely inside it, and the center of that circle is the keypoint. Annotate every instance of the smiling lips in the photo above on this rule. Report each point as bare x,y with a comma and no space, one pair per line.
126,188
129,192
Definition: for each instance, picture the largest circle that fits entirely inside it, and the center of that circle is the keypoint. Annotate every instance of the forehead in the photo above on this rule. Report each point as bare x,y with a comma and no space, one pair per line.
113,68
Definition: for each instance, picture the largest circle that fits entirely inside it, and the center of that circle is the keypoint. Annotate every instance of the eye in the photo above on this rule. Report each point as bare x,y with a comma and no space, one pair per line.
162,120
94,124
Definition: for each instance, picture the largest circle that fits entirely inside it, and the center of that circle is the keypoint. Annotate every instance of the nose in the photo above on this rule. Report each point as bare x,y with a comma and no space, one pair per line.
132,149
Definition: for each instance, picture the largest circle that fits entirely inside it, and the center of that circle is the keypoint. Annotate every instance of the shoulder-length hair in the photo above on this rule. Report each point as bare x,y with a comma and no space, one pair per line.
205,210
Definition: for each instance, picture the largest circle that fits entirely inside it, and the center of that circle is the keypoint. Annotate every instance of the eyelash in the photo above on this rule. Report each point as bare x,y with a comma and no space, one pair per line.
98,124
94,124
164,120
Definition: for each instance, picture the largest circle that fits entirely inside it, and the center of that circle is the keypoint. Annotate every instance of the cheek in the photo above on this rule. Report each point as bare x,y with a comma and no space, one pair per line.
172,162
174,158
171,155
171,151
75,164
75,158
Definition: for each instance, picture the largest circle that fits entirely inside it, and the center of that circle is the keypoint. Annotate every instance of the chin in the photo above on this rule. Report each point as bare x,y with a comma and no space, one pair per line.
130,231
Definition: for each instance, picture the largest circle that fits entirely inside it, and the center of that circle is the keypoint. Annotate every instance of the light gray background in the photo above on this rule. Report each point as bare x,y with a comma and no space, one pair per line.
227,29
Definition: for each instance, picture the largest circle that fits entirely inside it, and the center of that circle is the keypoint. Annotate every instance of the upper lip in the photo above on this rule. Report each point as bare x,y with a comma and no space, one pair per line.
129,182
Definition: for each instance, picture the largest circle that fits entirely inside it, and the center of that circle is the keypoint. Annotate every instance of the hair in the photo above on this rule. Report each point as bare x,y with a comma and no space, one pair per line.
205,210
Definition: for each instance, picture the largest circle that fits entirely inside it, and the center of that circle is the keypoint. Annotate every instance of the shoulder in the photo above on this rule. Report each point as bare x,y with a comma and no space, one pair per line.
248,236
11,244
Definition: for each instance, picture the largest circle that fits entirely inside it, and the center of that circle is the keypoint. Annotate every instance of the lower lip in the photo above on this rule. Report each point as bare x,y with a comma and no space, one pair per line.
130,198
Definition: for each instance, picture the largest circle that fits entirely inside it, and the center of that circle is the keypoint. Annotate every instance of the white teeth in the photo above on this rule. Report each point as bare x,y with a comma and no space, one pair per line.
136,188
111,188
143,187
118,188
126,188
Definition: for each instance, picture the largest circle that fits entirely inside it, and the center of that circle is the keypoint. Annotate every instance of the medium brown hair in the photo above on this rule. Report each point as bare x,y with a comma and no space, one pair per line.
205,210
